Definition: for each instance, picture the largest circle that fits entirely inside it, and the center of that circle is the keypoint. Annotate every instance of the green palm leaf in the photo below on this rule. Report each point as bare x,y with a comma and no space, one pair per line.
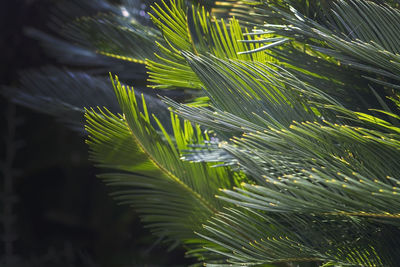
314,168
198,33
356,35
294,237
114,36
174,197
302,171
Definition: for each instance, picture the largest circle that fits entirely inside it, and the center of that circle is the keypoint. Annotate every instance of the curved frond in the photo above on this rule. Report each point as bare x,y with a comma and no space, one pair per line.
196,32
361,34
173,196
114,36
294,237
299,159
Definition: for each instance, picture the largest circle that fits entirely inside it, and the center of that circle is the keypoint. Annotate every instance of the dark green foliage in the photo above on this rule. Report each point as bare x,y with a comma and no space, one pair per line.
285,148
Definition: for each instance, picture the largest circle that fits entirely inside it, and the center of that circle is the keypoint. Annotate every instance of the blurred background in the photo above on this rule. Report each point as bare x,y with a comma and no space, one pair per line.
53,210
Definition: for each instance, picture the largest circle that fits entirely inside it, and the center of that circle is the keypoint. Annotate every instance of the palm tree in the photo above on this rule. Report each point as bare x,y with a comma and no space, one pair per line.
283,139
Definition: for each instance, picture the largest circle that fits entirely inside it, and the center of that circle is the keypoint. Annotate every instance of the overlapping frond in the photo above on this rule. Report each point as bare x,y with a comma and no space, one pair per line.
361,34
303,111
294,237
119,31
114,36
45,91
173,196
64,94
322,164
311,168
194,30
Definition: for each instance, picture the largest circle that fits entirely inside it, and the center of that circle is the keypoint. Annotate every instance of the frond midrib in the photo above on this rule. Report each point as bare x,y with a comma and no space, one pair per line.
187,188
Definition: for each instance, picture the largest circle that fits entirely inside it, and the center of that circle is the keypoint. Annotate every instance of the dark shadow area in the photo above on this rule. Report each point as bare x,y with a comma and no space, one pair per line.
54,211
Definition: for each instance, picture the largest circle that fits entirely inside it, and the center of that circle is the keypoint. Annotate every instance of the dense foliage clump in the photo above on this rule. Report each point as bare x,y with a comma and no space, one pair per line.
275,137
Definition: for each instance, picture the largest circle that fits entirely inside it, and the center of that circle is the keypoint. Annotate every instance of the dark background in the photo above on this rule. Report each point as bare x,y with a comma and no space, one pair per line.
54,211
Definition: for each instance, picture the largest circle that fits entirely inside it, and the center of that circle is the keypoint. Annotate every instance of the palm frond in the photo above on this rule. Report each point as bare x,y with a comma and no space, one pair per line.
194,32
325,164
273,145
294,237
355,35
174,197
291,167
114,36
64,94
299,165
